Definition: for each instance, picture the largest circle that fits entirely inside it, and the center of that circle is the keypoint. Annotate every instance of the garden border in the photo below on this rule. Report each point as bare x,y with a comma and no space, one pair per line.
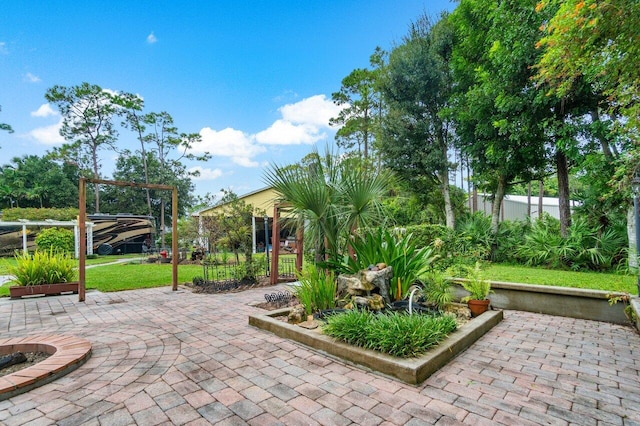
409,370
552,300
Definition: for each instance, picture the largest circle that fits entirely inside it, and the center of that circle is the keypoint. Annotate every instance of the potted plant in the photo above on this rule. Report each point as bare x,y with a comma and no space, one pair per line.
46,272
478,289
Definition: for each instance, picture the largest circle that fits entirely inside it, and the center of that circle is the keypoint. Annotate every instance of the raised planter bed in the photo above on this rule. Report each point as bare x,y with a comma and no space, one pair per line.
409,370
17,292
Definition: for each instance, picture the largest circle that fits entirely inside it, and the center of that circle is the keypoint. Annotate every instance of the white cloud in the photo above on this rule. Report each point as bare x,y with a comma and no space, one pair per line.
205,173
32,78
283,132
48,135
151,38
302,122
3,48
232,143
44,110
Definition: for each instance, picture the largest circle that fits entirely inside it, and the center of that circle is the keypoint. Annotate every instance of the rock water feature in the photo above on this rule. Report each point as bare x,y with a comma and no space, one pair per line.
368,288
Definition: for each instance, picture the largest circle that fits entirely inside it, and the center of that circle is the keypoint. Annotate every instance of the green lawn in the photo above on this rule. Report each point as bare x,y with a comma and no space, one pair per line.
130,276
133,275
591,280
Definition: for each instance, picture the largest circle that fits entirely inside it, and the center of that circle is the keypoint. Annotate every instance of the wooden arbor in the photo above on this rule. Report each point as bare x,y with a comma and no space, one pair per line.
82,216
275,243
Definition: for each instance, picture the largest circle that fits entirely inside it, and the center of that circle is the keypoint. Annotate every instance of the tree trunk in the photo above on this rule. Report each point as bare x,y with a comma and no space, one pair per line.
529,200
563,193
448,208
540,198
495,213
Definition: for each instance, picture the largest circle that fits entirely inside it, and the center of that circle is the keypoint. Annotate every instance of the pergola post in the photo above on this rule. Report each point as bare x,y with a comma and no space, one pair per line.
275,245
174,238
82,217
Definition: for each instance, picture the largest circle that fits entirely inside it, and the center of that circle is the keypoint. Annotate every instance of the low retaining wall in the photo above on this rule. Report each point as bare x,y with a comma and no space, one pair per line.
551,300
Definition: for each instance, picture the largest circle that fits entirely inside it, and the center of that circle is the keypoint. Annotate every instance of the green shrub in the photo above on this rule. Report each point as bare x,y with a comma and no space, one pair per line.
44,267
395,334
34,214
316,290
56,239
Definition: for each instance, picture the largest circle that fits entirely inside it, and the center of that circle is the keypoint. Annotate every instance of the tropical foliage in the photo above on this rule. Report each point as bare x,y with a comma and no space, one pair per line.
334,196
398,251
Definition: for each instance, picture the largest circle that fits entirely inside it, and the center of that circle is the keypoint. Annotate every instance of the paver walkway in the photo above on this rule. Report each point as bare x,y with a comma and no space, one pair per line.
162,357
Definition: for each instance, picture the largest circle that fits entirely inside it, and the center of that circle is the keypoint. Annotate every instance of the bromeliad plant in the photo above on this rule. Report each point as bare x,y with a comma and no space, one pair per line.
399,252
44,267
316,290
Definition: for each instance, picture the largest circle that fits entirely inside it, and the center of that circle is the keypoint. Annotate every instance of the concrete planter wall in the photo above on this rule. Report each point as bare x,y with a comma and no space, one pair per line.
551,300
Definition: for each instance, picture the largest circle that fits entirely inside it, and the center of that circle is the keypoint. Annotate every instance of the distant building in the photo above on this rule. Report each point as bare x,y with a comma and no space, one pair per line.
514,207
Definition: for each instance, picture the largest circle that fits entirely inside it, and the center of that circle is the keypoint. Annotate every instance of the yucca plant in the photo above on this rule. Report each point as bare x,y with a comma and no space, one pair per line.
44,267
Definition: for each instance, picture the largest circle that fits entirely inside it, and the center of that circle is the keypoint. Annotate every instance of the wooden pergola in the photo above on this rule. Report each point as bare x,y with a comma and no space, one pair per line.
82,216
275,243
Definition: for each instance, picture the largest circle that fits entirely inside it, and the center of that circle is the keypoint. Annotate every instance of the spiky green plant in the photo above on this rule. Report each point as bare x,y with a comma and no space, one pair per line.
44,267
316,290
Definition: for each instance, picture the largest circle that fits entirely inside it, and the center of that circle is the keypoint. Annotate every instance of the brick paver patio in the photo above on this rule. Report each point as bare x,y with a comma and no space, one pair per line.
162,357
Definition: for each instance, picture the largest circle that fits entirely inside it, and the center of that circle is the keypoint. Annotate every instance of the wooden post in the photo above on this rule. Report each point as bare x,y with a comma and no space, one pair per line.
275,246
82,218
299,247
174,238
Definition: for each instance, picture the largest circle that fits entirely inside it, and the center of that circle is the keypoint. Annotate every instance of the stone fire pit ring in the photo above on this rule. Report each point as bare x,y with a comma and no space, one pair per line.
67,354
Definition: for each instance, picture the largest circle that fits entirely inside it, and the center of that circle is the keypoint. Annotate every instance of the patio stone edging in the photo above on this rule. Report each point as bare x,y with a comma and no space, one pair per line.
67,354
410,370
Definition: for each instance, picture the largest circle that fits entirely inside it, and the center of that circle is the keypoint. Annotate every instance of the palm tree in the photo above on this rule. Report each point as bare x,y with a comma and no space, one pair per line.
333,196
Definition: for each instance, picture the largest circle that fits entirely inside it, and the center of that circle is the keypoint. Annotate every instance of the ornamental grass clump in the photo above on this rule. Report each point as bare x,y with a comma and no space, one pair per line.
316,290
396,334
44,267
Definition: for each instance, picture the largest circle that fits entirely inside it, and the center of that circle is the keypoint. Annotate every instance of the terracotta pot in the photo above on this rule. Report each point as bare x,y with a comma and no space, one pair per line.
478,307
17,292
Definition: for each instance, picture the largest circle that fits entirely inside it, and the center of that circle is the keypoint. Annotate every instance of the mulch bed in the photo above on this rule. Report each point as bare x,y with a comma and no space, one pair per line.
228,286
32,359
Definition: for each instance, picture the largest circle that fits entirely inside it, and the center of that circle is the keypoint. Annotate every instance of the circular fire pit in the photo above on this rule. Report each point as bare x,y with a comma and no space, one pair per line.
67,354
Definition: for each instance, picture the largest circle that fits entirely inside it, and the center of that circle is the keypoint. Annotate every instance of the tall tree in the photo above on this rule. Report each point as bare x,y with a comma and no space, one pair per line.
87,124
417,131
362,106
132,106
133,200
32,181
498,116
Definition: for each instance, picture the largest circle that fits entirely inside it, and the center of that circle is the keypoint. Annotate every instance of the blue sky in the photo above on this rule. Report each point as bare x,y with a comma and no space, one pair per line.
254,78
